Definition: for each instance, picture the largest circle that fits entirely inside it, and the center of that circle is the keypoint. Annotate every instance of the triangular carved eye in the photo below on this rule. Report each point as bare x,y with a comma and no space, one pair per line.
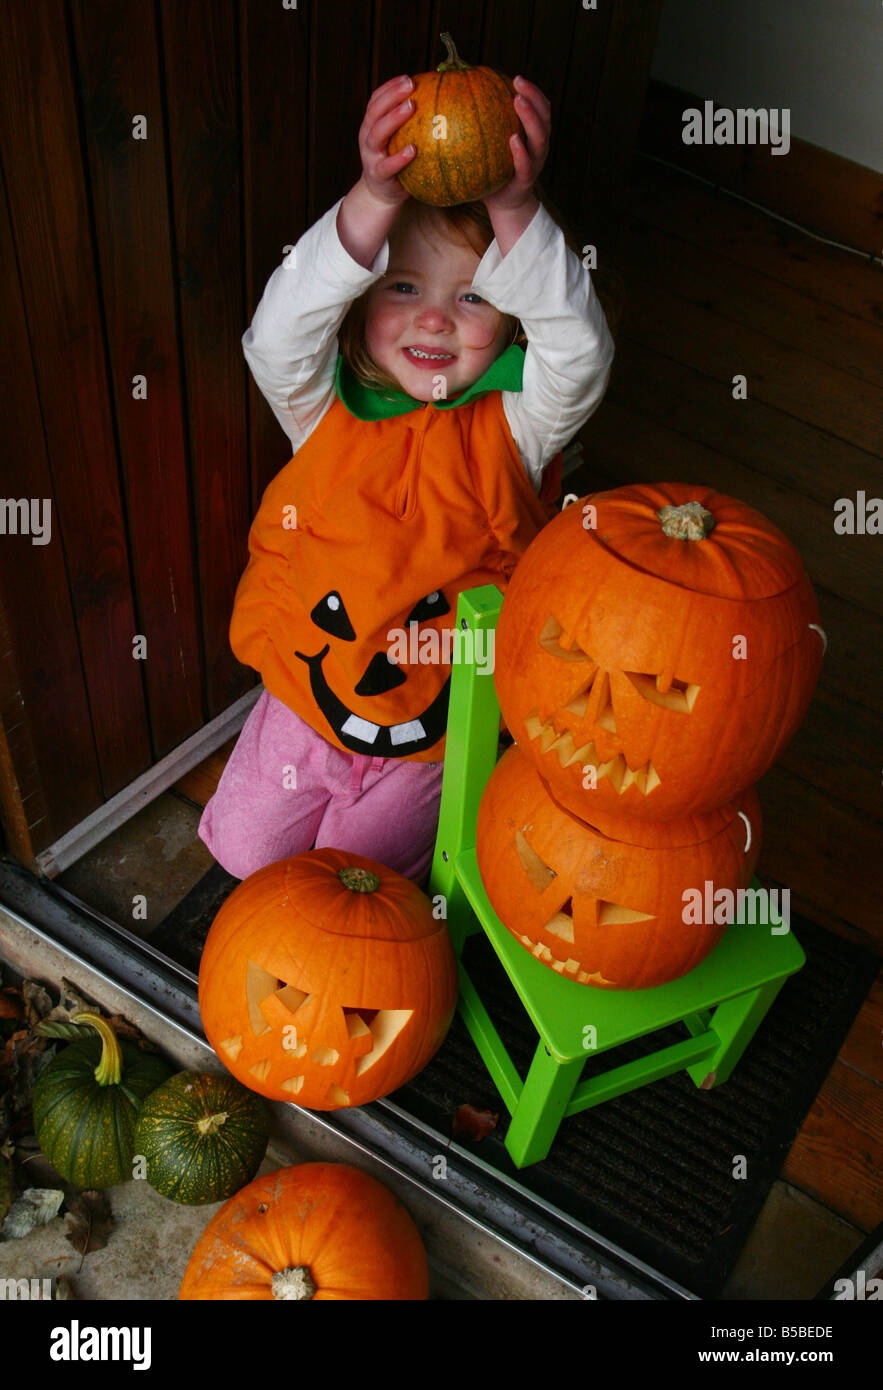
549,642
537,871
384,1027
270,1000
678,696
614,914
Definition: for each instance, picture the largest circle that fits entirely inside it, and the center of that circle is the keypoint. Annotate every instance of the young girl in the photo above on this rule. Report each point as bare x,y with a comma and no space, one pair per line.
384,344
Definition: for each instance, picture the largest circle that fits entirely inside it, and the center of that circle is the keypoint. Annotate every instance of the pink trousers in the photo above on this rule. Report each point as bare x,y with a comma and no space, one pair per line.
286,789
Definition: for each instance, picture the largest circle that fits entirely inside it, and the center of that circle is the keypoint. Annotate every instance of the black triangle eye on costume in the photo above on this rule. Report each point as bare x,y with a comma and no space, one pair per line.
330,615
434,605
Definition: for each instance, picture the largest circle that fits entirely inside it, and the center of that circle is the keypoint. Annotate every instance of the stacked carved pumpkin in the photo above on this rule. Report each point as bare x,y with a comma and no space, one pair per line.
656,650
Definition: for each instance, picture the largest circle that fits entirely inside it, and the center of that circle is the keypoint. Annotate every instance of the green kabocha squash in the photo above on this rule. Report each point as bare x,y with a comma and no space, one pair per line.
86,1103
202,1136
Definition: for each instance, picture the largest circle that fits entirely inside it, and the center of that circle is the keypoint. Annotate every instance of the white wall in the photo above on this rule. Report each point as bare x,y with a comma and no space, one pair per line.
821,58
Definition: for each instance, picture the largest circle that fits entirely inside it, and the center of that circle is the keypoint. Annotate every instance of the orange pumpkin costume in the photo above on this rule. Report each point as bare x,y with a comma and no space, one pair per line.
387,511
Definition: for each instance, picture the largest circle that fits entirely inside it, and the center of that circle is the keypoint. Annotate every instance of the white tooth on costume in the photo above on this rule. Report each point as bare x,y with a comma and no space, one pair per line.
361,728
407,733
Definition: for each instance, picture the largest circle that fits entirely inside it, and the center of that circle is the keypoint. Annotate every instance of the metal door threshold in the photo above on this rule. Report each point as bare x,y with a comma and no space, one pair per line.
46,931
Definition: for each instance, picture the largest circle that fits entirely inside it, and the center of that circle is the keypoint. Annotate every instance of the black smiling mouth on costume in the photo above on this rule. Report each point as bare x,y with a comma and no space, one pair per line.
355,732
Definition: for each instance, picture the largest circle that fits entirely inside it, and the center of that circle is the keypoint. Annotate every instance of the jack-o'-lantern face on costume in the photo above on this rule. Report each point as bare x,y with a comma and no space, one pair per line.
598,911
326,980
654,658
347,711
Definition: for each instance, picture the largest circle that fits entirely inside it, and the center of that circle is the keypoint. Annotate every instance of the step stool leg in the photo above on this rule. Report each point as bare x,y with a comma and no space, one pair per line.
544,1098
735,1022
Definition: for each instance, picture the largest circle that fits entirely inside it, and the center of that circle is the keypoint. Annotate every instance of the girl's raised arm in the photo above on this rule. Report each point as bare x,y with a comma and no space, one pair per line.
291,344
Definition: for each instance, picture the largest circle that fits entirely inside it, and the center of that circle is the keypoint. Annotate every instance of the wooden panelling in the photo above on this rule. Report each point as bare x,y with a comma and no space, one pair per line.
274,167
51,778
118,62
54,249
200,56
814,187
701,217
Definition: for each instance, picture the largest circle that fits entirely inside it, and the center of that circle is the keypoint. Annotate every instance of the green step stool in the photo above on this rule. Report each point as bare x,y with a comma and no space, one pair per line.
720,1003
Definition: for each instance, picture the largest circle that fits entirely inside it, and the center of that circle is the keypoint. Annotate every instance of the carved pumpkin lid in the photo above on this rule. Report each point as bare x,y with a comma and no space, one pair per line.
378,904
698,539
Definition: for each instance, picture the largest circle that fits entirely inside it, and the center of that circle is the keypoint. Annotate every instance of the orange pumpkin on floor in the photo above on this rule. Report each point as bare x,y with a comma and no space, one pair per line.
462,121
656,650
326,979
598,911
321,1231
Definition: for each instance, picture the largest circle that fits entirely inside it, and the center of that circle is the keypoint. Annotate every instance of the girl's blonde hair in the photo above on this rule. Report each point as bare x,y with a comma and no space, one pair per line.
467,223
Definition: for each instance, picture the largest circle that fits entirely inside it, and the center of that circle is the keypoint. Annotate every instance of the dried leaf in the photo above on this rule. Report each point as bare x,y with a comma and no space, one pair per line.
89,1221
64,1288
36,1206
470,1123
37,1001
22,1060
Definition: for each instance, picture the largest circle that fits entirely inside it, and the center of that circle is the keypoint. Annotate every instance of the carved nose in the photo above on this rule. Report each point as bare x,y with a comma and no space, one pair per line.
381,675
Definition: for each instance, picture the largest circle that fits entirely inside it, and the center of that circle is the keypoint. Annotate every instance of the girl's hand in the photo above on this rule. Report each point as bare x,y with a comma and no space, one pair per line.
385,112
534,110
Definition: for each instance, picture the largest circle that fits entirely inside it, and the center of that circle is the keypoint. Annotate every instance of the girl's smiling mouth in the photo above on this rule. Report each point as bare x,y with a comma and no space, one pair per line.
422,356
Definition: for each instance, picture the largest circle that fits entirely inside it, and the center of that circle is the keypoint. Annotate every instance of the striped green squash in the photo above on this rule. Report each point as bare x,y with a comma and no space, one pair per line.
203,1137
86,1104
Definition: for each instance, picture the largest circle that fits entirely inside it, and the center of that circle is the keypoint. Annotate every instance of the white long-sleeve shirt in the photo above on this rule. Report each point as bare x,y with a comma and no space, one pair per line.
291,346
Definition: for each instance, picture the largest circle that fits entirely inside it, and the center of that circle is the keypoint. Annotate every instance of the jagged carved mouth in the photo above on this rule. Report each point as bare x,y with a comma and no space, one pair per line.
593,698
615,770
272,1003
560,924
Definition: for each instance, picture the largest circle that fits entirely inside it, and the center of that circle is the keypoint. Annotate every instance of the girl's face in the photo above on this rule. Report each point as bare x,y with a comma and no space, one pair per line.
424,305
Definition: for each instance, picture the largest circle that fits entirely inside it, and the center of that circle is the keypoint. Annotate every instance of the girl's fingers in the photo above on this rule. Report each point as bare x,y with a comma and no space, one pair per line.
534,123
533,93
377,137
388,96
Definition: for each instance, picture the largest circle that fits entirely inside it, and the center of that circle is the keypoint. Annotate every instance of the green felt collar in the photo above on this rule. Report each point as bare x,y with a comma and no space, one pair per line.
372,403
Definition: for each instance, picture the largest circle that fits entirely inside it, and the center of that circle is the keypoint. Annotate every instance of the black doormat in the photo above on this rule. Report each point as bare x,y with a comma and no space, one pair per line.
654,1170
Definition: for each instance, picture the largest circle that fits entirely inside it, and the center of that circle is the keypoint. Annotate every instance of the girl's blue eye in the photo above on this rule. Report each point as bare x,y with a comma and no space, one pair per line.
401,286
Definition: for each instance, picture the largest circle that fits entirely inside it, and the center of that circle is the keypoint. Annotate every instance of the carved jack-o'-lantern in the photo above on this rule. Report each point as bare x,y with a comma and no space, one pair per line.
598,911
326,980
656,650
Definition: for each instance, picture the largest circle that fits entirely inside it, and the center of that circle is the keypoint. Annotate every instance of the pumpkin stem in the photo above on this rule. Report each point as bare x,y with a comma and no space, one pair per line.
110,1063
688,522
293,1283
210,1124
453,62
358,880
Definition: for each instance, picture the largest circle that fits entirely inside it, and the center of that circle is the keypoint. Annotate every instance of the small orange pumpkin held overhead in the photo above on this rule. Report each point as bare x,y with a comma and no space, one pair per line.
462,123
320,1231
326,980
602,912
